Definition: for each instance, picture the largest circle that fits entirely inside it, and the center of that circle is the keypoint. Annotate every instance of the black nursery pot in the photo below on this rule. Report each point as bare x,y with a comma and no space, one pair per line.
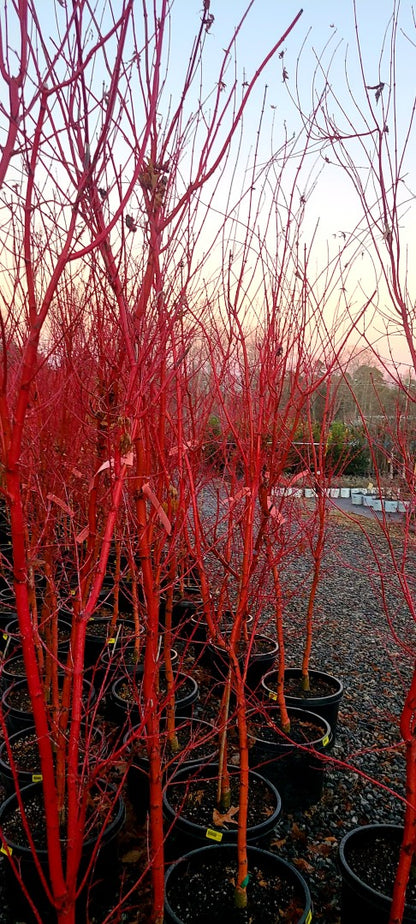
125,596
13,666
294,763
182,796
184,607
126,698
199,889
100,633
19,851
324,703
25,750
9,640
261,657
20,741
199,748
364,855
118,661
18,710
12,669
97,634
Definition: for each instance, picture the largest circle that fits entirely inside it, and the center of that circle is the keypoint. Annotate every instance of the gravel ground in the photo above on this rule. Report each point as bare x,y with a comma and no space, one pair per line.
365,775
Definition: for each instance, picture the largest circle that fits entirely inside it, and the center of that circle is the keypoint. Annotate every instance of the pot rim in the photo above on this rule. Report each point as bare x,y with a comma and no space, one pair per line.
294,698
358,832
192,826
180,721
257,852
286,742
42,852
19,684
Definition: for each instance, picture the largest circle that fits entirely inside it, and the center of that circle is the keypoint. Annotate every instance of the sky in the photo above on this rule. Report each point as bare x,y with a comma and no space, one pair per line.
323,41
325,33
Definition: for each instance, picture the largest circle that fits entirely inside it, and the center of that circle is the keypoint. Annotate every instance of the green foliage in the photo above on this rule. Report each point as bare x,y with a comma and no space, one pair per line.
300,455
347,450
359,459
214,443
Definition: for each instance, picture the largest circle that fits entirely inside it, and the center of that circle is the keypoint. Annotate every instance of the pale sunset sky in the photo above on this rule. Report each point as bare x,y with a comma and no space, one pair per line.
326,32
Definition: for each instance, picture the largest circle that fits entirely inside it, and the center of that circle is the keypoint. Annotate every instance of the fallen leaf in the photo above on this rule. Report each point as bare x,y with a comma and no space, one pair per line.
280,843
323,850
132,856
219,820
298,834
303,865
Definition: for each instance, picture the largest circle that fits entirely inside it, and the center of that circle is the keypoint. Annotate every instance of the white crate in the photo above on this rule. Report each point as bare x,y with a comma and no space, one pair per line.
402,506
368,500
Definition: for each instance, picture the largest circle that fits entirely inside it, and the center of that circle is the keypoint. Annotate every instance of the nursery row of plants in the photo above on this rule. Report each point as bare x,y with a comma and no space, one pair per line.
143,611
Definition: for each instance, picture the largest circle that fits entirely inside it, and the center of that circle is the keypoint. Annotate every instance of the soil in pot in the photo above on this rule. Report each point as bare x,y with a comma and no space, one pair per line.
200,889
198,746
100,632
258,654
17,706
190,808
25,750
368,858
126,696
294,762
323,698
105,819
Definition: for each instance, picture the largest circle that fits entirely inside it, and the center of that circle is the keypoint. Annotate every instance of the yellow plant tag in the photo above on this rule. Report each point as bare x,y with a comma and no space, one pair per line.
213,835
6,850
325,741
37,777
308,918
273,696
111,641
5,636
